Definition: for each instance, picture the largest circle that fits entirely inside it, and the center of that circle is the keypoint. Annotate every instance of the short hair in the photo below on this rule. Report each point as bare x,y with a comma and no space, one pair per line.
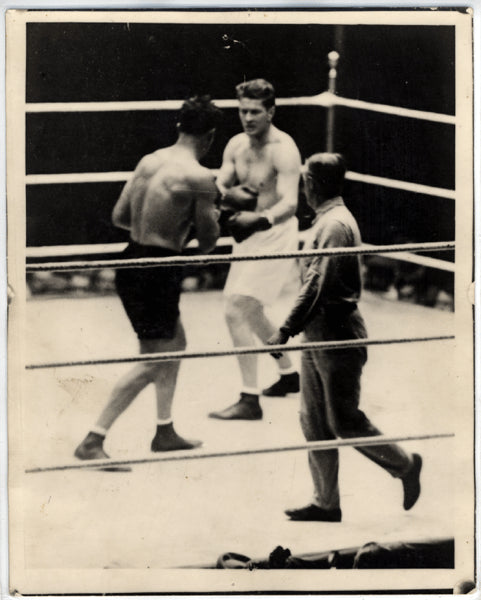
257,89
328,171
198,115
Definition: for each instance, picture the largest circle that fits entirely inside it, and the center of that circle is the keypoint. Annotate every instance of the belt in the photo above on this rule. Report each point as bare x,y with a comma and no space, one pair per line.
341,308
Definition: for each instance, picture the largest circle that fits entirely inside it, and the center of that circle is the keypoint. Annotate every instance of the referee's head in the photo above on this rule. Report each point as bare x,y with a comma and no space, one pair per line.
323,176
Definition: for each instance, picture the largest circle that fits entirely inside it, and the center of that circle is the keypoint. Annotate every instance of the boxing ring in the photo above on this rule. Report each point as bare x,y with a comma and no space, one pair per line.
403,252
183,355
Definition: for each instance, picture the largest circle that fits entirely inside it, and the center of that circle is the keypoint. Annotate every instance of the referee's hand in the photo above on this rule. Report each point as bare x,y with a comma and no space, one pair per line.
278,338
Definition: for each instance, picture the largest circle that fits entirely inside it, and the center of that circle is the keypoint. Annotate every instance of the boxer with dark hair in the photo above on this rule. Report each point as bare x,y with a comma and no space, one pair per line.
169,194
326,309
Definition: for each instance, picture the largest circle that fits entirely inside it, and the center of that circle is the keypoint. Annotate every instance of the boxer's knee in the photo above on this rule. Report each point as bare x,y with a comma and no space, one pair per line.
239,309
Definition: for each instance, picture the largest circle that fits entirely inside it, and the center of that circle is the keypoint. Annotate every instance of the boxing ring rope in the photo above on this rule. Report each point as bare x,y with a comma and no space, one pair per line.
227,258
424,261
176,456
181,355
324,99
416,188
48,252
122,176
397,111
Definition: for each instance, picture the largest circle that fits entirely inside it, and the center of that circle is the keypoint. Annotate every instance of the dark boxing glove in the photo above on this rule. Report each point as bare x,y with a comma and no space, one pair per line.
243,224
239,197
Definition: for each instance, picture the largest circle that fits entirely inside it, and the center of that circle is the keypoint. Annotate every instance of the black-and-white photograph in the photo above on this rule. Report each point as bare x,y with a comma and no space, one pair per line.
240,253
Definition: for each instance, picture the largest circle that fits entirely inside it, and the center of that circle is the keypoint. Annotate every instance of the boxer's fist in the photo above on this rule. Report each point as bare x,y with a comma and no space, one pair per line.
243,224
239,197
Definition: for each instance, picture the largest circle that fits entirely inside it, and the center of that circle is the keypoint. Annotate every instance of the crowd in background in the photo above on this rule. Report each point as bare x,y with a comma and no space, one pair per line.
392,279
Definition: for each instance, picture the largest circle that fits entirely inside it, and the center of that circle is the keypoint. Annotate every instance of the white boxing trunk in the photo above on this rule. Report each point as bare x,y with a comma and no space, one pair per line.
264,279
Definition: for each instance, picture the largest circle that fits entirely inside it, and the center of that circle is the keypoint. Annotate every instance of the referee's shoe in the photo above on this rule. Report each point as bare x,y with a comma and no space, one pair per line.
286,384
411,483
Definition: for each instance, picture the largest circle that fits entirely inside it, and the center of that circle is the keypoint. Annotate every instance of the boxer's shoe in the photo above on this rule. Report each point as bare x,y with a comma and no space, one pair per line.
248,408
91,448
286,384
167,439
411,483
312,512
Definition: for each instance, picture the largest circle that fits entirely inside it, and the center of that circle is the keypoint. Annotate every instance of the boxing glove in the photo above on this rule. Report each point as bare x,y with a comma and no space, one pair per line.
244,223
239,197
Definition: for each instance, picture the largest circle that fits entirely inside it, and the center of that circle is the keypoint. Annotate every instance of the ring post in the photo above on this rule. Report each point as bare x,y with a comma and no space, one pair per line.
333,59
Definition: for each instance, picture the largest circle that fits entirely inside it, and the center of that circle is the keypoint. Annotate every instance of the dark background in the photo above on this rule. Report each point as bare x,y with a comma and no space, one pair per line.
408,66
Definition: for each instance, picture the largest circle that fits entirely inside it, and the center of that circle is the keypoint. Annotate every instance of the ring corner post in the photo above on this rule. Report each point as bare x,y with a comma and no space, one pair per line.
333,60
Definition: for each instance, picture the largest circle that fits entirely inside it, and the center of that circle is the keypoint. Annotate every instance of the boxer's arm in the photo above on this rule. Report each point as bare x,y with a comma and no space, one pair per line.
206,215
287,162
121,216
226,176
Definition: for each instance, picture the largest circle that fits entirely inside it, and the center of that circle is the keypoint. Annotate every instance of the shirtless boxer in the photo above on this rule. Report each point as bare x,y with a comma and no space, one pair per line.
168,194
258,180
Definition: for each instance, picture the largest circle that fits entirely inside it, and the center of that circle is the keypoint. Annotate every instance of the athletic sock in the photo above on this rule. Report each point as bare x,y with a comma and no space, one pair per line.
250,391
99,430
286,371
